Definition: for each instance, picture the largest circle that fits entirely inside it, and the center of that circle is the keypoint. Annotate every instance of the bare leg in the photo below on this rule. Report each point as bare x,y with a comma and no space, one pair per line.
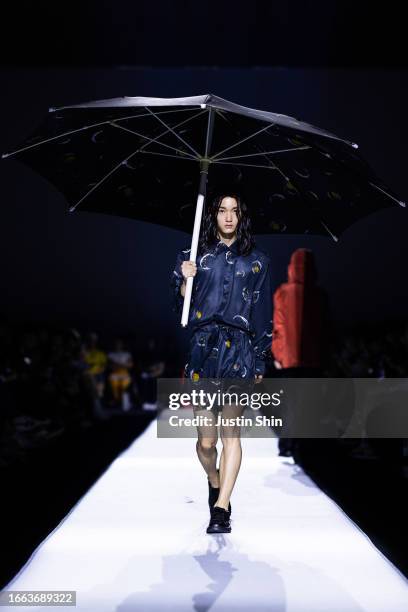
206,447
231,456
222,457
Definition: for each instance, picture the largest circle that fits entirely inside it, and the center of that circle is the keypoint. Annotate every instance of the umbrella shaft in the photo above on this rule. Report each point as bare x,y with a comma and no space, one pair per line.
204,165
194,245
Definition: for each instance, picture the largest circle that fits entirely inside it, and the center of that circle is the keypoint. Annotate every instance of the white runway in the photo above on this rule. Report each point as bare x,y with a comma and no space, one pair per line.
137,541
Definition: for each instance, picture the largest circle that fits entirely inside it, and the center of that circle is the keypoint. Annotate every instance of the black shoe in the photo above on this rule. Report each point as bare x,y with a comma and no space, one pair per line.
213,493
285,453
285,446
220,521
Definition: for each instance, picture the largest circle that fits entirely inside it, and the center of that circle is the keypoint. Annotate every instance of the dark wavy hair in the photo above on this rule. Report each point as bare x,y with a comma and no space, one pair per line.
209,234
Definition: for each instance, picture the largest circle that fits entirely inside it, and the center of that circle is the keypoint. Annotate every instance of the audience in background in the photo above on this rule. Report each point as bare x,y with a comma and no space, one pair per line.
97,360
120,363
52,381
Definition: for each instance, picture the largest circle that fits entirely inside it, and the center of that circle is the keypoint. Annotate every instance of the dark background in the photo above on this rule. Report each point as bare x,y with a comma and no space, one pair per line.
338,65
341,33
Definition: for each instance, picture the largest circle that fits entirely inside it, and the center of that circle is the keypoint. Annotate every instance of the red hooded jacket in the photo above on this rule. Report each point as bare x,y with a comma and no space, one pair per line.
300,316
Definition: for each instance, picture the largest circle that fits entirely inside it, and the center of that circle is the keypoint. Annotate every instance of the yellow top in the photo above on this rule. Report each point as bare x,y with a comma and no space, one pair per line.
96,359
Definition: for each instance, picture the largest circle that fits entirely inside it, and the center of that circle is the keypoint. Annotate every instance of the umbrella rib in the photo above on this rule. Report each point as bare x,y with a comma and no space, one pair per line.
271,167
123,162
176,126
287,178
274,164
173,132
242,140
85,127
189,158
267,153
361,177
403,204
151,140
275,167
72,208
326,228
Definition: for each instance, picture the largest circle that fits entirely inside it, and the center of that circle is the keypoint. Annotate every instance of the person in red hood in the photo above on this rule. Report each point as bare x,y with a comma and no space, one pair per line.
300,325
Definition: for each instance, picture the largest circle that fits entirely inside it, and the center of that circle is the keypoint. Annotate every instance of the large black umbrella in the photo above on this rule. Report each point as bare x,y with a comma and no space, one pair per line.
143,157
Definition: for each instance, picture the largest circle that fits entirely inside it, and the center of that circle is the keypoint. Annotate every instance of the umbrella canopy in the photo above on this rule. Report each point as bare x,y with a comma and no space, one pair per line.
141,157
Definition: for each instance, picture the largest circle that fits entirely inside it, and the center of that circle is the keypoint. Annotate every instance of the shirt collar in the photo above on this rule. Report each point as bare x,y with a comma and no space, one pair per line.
232,247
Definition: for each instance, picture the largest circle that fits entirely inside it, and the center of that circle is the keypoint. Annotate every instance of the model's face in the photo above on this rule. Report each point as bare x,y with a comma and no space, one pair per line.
227,217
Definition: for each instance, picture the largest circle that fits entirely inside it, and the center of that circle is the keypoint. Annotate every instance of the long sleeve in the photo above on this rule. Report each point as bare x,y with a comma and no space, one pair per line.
261,320
176,281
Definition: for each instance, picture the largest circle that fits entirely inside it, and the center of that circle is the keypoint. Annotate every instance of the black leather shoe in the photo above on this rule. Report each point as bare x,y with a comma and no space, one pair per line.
285,453
220,521
213,493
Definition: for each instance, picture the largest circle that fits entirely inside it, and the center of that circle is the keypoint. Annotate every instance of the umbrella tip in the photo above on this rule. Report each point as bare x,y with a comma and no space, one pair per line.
71,209
354,145
4,155
403,204
51,109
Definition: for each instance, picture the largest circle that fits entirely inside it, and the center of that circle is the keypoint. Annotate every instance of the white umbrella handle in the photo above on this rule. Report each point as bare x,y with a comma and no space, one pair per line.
204,164
193,254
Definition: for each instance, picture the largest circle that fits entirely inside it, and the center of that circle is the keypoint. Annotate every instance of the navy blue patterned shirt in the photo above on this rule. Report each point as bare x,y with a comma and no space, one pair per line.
232,289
